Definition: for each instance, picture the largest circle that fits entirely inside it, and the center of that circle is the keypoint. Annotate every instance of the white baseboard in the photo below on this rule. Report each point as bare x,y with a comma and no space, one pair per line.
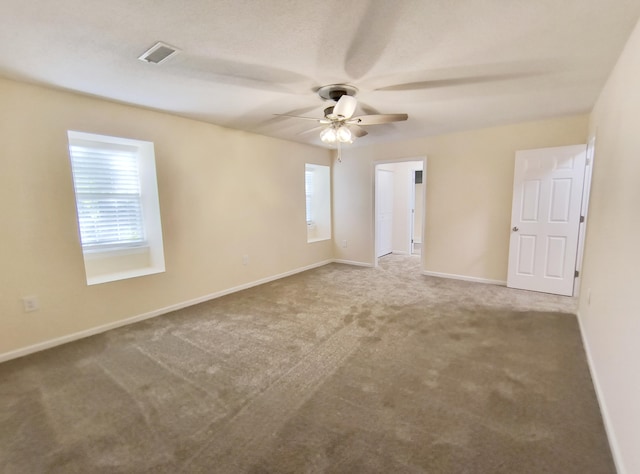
151,314
453,276
351,262
608,425
399,252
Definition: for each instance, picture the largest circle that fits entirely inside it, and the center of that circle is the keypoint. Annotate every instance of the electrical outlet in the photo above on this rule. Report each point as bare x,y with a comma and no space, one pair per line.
245,260
344,244
30,303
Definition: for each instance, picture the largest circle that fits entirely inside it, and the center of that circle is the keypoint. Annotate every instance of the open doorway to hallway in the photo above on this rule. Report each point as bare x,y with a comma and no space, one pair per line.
399,207
416,188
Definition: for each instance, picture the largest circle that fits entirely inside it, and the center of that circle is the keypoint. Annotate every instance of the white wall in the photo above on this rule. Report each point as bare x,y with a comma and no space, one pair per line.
223,194
609,309
469,184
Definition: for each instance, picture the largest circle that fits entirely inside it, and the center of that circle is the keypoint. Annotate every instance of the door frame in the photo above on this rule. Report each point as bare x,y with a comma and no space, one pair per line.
373,232
584,211
412,208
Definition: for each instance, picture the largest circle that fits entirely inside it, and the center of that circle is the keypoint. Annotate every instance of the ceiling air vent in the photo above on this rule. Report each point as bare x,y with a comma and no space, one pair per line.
158,53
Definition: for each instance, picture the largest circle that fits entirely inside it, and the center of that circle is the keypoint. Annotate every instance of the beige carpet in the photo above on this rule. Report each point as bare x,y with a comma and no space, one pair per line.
339,370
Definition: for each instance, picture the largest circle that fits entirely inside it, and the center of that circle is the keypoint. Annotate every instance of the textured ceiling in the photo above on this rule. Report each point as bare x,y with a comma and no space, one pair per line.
450,64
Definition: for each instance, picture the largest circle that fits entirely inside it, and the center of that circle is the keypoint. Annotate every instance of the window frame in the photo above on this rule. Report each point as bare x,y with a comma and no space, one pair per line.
308,192
129,258
318,202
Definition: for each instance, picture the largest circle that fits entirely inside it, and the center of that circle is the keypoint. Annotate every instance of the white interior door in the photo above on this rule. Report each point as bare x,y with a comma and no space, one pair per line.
545,218
412,210
384,212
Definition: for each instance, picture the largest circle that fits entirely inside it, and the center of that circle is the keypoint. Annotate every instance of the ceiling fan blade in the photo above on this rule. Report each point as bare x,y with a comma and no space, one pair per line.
345,107
357,131
222,71
314,129
378,24
304,118
377,119
451,82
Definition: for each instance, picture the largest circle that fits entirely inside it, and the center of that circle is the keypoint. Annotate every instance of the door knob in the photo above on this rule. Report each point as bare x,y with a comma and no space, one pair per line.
515,229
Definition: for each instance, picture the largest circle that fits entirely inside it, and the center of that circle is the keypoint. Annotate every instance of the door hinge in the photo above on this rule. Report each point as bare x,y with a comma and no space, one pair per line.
576,274
581,219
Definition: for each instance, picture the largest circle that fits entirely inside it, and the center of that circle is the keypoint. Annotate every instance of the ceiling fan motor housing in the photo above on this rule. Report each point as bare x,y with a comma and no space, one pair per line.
335,91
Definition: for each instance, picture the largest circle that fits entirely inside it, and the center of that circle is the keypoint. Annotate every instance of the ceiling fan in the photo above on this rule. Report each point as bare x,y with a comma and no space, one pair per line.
339,125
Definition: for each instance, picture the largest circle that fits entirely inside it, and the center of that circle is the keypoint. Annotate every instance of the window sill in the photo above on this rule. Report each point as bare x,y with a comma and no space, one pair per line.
114,252
310,241
124,275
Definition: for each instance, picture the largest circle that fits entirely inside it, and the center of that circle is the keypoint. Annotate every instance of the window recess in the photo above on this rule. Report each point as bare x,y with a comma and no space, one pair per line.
117,206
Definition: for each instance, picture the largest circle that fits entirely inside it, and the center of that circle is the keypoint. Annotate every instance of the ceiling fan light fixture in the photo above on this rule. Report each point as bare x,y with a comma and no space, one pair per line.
341,125
328,135
336,133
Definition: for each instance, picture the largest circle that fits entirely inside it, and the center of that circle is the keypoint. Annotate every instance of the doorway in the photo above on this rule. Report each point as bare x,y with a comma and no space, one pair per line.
399,207
384,211
417,211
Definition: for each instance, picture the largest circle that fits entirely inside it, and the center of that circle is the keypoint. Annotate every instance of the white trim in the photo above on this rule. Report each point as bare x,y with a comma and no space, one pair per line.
351,262
453,276
152,314
399,252
584,211
606,418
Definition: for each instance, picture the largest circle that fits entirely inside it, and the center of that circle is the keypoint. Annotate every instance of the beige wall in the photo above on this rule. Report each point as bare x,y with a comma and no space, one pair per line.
469,181
223,194
610,292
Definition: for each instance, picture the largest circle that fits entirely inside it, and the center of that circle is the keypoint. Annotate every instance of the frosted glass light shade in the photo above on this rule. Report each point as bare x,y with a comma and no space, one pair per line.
328,135
343,134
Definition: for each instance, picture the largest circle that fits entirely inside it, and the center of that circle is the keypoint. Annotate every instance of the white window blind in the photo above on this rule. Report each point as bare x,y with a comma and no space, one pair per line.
107,185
